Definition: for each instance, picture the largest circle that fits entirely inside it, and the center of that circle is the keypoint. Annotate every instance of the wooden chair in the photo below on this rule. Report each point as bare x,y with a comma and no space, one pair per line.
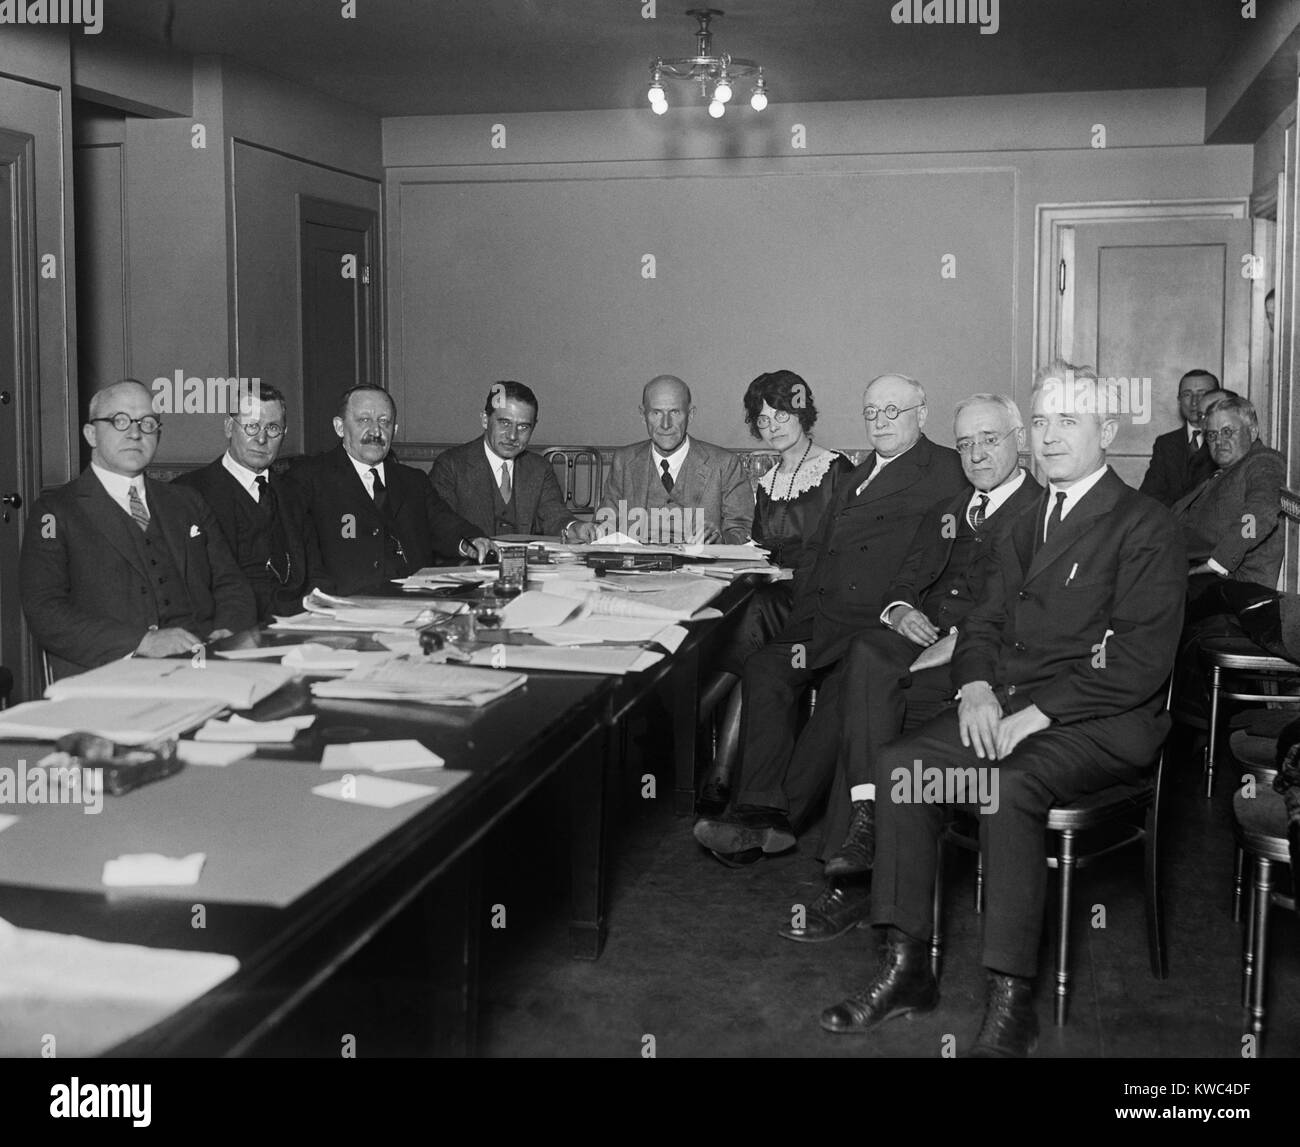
1261,827
1107,809
1252,752
581,496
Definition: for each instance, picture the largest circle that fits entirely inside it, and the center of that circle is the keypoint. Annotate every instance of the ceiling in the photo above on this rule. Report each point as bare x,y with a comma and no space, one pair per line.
448,57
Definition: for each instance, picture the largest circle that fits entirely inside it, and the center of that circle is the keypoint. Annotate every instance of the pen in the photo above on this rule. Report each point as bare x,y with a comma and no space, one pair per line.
1073,571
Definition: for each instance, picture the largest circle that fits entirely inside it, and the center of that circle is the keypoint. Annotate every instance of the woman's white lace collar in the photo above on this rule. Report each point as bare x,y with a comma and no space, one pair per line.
809,477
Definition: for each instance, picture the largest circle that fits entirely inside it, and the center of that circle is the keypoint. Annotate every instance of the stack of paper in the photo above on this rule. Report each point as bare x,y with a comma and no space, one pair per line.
405,678
237,686
126,720
326,613
240,730
679,600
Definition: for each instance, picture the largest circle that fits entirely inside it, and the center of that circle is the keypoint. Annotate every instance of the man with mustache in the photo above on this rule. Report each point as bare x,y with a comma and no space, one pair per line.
368,519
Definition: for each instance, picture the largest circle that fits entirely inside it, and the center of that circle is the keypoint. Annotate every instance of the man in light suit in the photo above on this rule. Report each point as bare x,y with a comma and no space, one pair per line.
1061,666
117,565
938,584
863,538
497,483
674,488
250,505
1180,459
368,519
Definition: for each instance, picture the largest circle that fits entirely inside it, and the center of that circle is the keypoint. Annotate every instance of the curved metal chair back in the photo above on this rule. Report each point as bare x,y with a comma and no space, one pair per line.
580,471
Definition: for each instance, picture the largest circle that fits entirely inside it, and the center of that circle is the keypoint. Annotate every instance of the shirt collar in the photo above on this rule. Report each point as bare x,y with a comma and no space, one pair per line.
118,485
241,473
363,469
999,494
495,461
676,457
1077,491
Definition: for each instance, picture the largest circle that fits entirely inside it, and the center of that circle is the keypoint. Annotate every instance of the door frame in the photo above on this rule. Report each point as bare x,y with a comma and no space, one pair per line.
18,153
350,216
1054,251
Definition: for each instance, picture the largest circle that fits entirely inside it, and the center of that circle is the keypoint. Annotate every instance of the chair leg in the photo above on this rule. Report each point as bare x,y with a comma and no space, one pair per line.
1154,906
1238,866
936,917
1259,953
1248,939
1065,862
979,883
1213,737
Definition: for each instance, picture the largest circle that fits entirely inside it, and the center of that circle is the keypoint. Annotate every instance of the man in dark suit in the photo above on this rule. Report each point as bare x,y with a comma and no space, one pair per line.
1180,459
115,564
1061,667
367,518
672,487
249,503
903,663
497,483
863,537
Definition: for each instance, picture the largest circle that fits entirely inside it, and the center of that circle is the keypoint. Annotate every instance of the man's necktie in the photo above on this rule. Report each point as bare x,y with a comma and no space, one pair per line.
505,482
1054,518
138,511
1195,445
381,491
269,501
666,478
978,513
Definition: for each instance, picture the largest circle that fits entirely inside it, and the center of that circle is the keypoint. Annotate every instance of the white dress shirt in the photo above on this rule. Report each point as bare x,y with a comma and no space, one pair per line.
244,476
363,472
119,486
1072,495
675,459
881,463
497,464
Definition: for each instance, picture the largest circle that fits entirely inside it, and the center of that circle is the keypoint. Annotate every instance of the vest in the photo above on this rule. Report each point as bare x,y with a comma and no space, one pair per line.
949,600
171,597
505,518
258,536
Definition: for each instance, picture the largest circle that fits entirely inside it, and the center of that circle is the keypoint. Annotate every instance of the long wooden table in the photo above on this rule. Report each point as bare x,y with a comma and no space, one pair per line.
427,868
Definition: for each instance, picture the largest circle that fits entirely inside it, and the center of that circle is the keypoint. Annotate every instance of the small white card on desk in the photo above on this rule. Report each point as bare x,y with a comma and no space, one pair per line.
141,869
217,753
254,732
378,792
379,757
6,820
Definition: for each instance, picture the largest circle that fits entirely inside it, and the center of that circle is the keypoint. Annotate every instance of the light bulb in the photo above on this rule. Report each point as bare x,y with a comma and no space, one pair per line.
717,108
758,101
660,107
722,93
656,95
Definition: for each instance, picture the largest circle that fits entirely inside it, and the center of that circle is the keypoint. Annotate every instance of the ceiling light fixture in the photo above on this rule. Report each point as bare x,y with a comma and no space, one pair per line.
715,75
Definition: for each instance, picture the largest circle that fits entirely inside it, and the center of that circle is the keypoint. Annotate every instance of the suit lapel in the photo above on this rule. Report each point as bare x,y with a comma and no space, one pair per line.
897,475
172,524
110,519
692,478
353,489
1094,505
481,484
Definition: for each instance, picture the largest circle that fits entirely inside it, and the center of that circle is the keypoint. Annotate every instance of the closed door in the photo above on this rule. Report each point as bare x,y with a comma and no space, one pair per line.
1144,301
339,323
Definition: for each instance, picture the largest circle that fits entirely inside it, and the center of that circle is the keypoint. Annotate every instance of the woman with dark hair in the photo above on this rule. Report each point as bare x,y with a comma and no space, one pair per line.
791,498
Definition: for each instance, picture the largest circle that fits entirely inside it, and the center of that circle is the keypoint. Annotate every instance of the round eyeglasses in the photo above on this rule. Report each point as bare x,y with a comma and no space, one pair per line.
253,429
780,418
871,413
1228,433
987,442
149,424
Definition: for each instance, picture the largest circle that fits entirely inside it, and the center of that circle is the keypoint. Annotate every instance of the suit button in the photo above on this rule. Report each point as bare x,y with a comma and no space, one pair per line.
832,552
953,592
1011,690
375,532
143,589
1020,647
166,601
162,581
374,565
153,561
852,586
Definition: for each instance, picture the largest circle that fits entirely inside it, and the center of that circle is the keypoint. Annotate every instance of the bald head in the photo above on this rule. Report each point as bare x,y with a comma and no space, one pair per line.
105,402
666,408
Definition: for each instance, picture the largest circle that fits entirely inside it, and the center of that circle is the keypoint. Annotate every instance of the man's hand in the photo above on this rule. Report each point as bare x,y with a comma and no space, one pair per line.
166,643
219,634
978,717
583,533
481,547
1014,729
913,625
707,535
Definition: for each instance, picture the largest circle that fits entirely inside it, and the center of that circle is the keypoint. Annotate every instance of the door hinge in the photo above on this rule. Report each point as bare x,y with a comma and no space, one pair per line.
365,274
1060,278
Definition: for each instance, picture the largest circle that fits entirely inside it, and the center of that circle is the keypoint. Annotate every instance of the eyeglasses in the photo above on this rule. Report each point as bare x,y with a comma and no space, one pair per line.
1228,433
871,413
253,429
123,422
780,418
988,441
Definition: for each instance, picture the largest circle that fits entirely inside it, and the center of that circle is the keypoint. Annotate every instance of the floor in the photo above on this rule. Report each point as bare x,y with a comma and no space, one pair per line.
694,960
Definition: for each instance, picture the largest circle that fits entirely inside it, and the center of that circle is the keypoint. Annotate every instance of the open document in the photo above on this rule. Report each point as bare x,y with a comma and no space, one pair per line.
404,678
237,686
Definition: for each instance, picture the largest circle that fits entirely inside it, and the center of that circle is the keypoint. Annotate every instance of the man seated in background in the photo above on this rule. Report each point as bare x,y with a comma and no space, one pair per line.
115,564
672,487
497,483
368,519
864,535
1180,459
904,662
249,503
1061,666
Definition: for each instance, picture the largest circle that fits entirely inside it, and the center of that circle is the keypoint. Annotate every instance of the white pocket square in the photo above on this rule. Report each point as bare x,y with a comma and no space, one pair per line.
194,531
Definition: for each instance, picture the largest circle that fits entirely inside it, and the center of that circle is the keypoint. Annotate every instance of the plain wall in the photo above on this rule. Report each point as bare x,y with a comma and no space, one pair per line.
524,261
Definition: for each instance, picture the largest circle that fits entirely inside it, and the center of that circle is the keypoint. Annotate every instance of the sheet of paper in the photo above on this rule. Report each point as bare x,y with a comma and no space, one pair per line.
6,820
148,869
378,792
126,720
241,729
379,757
215,753
259,653
602,659
534,609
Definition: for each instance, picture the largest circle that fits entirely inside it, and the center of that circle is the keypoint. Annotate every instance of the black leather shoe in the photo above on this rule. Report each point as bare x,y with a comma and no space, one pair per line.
746,827
858,851
903,986
840,908
713,798
1010,1028
738,859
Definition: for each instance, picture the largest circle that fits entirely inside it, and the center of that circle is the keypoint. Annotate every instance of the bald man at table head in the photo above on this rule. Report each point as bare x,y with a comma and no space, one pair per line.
115,564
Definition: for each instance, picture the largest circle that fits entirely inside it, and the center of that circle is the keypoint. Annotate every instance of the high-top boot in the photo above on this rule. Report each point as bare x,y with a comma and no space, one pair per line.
903,985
